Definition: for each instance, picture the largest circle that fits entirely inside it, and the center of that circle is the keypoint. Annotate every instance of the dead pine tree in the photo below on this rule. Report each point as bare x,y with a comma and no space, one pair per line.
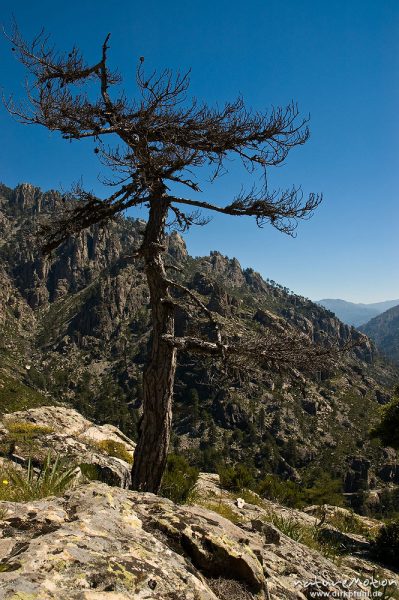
157,140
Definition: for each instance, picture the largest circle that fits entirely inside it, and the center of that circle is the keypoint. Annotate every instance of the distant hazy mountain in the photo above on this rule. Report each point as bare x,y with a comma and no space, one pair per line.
356,314
384,330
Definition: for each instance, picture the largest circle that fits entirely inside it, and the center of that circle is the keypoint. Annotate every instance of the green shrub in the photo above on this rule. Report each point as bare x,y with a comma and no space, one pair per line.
26,431
386,545
308,535
387,429
116,449
324,489
15,395
290,527
321,488
348,523
224,510
209,459
278,490
179,479
388,507
236,478
251,497
22,486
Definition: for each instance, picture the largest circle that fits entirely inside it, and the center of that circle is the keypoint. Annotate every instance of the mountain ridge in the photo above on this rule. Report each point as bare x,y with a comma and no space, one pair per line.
356,313
80,321
384,331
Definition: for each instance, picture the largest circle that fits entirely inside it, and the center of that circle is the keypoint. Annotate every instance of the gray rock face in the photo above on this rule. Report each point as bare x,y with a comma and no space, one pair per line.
92,545
348,541
270,534
227,413
105,543
230,268
389,473
357,475
177,247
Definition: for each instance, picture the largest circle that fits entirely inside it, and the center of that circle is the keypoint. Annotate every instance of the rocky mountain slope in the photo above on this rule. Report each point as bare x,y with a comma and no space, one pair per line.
356,314
384,331
99,542
76,329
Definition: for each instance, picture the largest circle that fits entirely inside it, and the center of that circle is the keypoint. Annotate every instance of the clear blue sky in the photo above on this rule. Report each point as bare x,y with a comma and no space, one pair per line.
339,60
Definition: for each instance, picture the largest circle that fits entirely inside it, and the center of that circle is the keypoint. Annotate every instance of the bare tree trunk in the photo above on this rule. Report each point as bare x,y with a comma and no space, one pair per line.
159,374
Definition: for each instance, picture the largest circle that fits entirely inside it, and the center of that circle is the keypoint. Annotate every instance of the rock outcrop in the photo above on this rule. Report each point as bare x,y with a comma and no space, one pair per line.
102,543
64,432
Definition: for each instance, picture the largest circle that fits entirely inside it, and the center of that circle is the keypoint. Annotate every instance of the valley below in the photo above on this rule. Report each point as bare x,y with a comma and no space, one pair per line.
75,331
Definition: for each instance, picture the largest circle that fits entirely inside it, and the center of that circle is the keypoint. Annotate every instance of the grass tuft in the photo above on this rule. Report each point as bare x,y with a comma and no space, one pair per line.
31,484
113,448
224,510
347,522
308,535
26,430
179,479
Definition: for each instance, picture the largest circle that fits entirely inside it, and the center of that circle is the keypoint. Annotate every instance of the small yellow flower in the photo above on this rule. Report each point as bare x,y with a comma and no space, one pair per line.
5,482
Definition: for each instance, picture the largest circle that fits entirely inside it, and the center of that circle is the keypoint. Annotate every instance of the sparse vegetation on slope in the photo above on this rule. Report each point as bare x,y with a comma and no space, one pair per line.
15,395
83,329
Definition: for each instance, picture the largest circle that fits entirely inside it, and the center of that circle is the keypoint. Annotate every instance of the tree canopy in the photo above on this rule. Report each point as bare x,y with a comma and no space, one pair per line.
153,142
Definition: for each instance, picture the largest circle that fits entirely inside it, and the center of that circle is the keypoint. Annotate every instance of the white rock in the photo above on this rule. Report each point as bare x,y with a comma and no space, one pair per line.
240,503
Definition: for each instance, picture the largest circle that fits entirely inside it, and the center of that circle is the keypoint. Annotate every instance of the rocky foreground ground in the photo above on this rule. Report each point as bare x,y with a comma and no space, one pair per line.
102,542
